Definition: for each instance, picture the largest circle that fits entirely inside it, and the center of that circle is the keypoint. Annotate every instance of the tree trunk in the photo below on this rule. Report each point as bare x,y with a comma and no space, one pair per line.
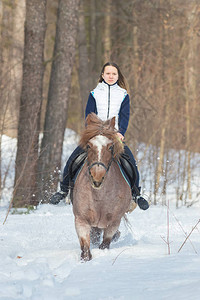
12,15
16,61
191,90
83,61
107,31
98,42
1,63
56,112
5,52
92,48
30,105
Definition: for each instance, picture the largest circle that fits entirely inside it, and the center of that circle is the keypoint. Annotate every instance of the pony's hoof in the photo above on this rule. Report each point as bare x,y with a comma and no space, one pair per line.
116,236
104,245
86,256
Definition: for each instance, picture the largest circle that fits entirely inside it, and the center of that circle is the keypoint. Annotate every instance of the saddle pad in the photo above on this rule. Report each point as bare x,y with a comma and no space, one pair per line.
77,172
124,174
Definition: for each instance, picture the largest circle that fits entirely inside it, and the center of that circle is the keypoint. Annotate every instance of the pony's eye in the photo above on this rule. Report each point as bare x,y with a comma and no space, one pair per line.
111,148
88,147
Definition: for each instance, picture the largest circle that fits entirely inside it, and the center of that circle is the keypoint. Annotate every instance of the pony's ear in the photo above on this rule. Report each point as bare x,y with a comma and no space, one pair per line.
91,118
112,123
88,119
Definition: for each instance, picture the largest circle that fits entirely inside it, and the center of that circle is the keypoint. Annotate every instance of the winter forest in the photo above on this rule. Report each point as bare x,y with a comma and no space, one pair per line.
51,54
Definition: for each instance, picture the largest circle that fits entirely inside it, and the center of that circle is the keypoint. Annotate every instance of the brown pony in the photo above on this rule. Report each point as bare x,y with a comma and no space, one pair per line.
101,195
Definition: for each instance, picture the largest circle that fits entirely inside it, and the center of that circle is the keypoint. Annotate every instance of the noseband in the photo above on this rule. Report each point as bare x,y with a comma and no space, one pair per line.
98,163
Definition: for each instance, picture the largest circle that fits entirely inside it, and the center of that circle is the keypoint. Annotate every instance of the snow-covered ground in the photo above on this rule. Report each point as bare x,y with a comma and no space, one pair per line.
40,257
40,254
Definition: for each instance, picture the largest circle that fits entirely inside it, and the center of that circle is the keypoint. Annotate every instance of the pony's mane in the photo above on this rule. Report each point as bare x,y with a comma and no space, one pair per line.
95,126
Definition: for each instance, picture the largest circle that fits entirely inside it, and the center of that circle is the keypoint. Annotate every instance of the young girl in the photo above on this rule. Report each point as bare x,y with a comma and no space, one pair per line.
109,99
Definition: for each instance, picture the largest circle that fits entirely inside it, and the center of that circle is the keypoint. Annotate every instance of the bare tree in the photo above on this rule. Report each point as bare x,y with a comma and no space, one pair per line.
190,88
30,104
107,31
155,43
58,95
1,61
83,69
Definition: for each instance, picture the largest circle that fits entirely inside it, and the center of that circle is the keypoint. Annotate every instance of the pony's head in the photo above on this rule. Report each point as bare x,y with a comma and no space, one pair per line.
102,144
95,127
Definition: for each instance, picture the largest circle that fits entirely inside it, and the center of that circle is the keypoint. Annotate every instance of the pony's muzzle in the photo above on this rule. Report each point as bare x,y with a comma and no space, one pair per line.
97,173
97,184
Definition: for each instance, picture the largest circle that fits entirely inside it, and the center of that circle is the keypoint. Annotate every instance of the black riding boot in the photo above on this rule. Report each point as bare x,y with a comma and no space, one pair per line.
73,164
57,197
133,174
142,203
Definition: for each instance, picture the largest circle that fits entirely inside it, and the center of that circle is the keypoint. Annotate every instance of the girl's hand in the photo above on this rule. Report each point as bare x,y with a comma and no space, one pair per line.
120,136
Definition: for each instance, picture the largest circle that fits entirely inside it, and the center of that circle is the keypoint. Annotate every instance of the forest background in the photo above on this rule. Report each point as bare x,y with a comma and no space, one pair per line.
51,54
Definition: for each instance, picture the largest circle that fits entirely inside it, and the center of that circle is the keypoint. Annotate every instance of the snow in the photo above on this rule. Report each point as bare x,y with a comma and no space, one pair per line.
40,254
40,257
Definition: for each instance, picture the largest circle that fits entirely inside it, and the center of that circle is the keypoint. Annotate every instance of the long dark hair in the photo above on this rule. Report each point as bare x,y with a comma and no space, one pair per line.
121,80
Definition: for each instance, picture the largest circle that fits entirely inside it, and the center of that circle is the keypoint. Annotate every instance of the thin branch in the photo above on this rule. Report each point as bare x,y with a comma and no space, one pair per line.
168,244
185,233
188,236
118,256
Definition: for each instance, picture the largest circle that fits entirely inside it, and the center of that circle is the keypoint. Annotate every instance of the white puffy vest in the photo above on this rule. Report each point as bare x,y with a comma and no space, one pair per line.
108,101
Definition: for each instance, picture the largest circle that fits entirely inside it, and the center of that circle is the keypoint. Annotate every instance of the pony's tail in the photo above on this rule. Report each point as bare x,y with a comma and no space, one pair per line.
127,223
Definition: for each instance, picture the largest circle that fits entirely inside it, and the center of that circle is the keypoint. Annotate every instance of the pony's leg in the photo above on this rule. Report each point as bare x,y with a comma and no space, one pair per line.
95,236
83,232
108,235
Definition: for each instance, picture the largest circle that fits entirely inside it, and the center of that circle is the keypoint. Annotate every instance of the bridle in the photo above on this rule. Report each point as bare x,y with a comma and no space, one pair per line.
99,163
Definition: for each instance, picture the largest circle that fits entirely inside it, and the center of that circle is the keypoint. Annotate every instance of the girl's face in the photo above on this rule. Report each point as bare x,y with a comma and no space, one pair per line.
110,75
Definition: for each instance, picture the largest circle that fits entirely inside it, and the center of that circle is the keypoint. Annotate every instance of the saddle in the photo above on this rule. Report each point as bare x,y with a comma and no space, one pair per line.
74,169
126,167
129,170
76,165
